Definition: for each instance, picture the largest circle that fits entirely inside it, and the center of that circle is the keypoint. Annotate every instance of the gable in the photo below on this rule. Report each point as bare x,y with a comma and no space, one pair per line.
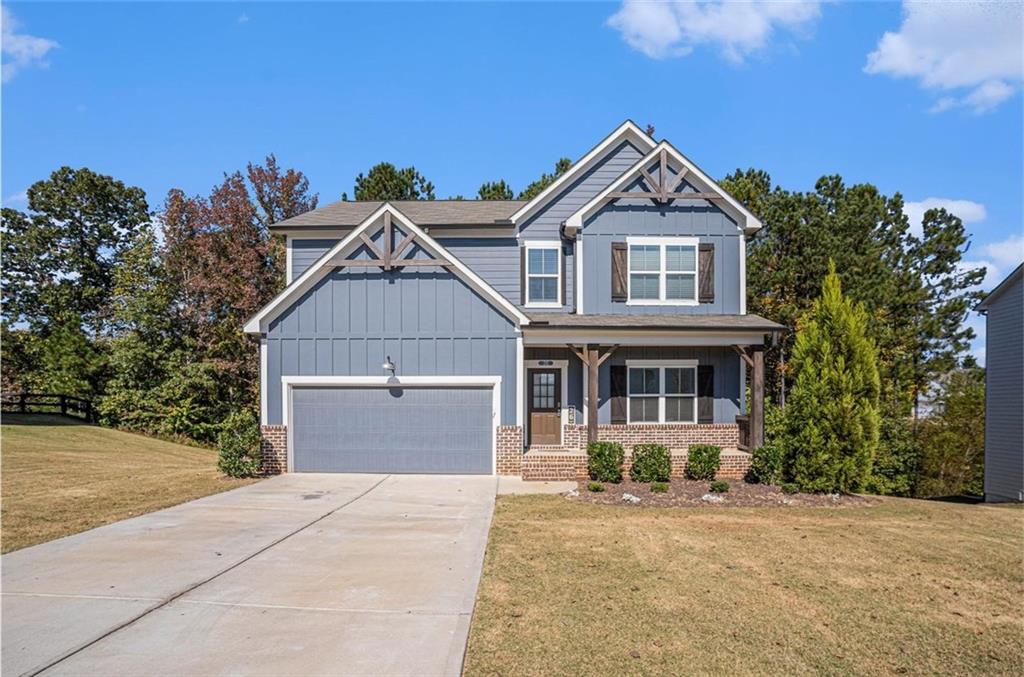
387,241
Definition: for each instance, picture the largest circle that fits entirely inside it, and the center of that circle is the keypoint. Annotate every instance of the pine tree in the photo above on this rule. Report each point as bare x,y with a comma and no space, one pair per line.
384,181
495,190
832,417
545,180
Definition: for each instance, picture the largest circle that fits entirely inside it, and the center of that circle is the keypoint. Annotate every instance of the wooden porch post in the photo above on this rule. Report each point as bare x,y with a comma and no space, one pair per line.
757,398
592,394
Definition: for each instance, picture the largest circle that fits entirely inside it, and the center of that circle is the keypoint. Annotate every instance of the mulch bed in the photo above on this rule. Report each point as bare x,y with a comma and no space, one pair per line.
690,493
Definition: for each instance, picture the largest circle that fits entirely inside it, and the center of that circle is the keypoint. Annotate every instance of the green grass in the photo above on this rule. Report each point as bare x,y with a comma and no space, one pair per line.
905,586
61,477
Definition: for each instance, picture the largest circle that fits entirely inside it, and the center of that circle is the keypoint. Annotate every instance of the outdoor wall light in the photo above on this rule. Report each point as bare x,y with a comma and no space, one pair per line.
390,366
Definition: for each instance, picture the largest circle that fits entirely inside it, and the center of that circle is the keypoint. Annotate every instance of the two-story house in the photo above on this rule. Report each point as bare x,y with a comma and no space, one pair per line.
470,336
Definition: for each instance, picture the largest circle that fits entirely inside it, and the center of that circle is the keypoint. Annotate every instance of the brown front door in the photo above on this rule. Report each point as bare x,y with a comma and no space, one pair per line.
545,405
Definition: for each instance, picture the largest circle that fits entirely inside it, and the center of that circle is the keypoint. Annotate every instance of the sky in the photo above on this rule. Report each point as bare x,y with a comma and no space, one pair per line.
924,99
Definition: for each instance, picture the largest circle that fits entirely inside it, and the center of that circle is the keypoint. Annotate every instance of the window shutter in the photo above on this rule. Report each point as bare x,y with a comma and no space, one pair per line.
706,272
619,401
620,268
705,393
522,276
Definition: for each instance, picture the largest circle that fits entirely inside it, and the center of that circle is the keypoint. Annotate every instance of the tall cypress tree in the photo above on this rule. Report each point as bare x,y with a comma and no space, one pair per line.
832,417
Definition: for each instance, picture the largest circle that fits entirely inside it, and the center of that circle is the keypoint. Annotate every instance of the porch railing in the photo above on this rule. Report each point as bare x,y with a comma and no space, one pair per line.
743,422
47,403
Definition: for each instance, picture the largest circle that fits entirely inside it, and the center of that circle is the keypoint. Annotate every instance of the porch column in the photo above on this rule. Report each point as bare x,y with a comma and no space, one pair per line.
757,398
592,394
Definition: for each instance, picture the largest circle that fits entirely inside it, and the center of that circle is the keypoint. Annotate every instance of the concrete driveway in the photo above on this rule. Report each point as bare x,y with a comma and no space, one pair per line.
298,574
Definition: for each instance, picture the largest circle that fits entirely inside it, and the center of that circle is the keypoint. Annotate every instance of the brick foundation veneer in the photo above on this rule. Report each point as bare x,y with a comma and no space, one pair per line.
274,448
509,450
572,465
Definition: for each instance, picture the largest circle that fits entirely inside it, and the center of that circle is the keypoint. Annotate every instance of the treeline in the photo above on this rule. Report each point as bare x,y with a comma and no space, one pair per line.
143,310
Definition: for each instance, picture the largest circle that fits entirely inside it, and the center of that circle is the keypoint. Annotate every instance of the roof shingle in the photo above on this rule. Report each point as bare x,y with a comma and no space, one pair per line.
421,212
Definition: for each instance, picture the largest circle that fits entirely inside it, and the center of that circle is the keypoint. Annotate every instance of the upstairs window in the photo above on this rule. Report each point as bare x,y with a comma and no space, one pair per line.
543,274
662,271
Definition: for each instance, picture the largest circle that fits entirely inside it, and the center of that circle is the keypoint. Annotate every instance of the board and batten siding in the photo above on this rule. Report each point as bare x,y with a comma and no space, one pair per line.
428,321
615,222
495,259
305,251
1004,395
729,396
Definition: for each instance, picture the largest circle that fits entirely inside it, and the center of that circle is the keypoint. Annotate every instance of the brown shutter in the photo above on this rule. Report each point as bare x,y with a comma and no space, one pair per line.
706,272
620,268
619,400
522,276
705,393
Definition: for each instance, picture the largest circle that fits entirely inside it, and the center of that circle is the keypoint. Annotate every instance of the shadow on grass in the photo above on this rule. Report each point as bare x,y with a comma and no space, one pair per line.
962,499
39,419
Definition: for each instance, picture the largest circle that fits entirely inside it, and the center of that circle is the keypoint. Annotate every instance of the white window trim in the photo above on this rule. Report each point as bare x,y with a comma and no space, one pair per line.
662,242
661,365
543,244
563,367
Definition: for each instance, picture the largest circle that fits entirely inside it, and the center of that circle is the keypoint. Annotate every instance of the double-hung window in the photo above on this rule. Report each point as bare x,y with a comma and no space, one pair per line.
543,274
662,271
662,392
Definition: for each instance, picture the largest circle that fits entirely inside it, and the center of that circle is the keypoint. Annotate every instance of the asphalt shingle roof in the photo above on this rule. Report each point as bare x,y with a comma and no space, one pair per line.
421,212
653,321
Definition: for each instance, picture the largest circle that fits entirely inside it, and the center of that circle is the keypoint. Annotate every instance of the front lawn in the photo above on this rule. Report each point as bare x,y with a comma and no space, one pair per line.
61,477
900,587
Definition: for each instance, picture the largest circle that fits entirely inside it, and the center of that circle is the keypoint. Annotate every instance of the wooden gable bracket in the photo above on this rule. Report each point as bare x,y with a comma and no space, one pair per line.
663,190
388,256
582,354
743,353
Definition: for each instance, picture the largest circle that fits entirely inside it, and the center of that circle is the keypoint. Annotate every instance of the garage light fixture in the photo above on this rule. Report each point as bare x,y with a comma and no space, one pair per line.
390,366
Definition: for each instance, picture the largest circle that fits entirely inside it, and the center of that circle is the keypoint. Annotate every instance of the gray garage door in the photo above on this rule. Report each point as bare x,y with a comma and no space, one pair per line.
392,430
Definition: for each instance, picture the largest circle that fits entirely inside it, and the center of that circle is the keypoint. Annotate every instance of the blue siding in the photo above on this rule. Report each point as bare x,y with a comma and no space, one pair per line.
614,222
729,397
495,259
430,323
306,251
1004,395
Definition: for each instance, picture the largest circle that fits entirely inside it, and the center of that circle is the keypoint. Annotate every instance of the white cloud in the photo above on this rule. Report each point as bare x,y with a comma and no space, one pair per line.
1005,255
738,29
968,211
19,49
243,18
16,199
972,50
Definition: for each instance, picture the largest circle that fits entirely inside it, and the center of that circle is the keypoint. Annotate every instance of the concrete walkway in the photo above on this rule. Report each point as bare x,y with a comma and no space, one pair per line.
298,574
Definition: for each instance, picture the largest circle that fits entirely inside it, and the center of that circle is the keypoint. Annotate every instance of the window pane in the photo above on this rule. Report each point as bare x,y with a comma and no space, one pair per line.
643,409
679,409
681,287
543,289
542,261
550,261
643,381
645,257
680,381
535,260
682,258
643,286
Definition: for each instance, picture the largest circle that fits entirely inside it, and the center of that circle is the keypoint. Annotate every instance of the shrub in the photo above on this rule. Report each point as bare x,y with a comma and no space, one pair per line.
659,487
595,487
651,463
790,488
720,487
604,461
703,461
239,444
766,461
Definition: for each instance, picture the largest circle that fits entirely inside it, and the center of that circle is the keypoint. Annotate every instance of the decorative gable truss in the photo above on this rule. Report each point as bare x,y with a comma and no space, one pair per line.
663,176
387,240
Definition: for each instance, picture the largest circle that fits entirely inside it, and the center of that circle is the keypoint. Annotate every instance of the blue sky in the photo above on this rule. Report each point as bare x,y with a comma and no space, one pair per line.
922,101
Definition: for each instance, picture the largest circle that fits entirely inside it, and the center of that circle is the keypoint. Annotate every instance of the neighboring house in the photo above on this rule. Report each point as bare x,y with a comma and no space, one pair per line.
1004,389
499,337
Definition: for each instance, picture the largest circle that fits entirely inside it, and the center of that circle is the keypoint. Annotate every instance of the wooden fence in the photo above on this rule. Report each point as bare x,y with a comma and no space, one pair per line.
48,403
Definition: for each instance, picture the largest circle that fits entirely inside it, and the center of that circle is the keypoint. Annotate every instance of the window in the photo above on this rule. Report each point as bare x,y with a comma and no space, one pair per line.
662,393
543,274
662,271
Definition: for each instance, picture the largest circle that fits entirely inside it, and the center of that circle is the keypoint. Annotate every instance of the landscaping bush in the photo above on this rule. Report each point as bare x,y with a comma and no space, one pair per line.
595,487
766,461
651,463
790,488
720,487
703,461
604,461
659,487
239,444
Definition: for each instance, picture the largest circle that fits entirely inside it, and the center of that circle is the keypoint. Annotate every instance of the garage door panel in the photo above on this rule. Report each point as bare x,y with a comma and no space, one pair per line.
421,430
